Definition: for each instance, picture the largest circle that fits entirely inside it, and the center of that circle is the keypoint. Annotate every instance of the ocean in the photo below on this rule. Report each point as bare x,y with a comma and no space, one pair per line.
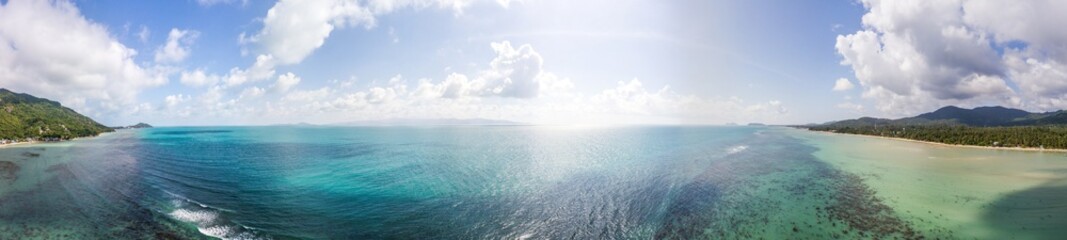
523,182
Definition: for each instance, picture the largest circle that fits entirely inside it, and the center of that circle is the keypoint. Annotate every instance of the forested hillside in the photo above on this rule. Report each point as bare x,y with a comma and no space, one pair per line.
984,126
24,116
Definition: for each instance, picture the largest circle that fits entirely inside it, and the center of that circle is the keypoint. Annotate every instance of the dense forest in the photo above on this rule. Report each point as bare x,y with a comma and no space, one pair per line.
1046,136
983,126
23,116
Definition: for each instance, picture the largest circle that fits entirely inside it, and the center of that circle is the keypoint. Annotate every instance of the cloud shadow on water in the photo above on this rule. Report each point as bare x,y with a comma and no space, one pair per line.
1039,212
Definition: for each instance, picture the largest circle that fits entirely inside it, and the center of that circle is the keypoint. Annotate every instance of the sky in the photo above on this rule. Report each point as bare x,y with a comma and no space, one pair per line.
239,62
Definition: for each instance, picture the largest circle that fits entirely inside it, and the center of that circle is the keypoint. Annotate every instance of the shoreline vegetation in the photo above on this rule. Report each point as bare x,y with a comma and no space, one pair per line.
1036,138
34,142
983,127
1027,149
25,118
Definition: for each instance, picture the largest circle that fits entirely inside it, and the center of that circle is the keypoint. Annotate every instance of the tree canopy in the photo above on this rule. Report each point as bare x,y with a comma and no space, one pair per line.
24,116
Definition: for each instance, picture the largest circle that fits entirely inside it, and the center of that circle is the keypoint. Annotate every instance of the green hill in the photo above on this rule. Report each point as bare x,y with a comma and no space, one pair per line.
24,116
983,126
955,116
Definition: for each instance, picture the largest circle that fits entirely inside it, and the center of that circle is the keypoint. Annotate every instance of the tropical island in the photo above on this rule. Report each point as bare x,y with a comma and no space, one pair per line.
25,118
983,126
135,126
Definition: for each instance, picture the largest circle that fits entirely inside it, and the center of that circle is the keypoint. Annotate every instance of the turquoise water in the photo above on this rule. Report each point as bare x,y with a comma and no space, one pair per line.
508,182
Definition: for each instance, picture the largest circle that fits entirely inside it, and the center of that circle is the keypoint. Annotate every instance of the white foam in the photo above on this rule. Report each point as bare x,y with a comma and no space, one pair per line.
207,222
206,219
227,233
193,216
216,231
736,149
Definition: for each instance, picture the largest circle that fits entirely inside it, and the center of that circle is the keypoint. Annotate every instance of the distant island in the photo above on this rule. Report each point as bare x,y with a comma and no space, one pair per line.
983,126
25,118
135,126
433,122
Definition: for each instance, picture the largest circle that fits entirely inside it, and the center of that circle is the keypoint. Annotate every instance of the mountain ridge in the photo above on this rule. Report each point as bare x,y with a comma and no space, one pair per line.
432,122
985,116
982,126
26,117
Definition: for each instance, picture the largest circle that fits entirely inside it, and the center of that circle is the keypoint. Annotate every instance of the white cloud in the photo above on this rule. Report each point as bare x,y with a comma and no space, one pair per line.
143,34
513,73
914,56
456,86
507,3
285,82
251,92
176,49
174,100
380,7
512,86
262,69
850,106
843,84
293,29
307,96
631,99
198,78
772,106
48,49
919,47
1037,23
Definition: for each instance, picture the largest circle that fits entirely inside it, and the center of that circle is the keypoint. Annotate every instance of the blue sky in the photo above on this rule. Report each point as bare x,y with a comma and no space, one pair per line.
232,62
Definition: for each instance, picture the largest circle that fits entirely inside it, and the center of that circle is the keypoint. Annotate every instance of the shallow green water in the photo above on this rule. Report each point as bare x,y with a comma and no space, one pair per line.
523,182
970,193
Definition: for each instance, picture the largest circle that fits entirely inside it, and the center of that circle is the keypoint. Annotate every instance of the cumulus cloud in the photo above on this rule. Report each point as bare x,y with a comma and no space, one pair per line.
49,49
1035,23
916,55
285,82
380,7
631,99
197,78
513,73
513,85
174,100
293,29
176,49
251,92
843,84
262,69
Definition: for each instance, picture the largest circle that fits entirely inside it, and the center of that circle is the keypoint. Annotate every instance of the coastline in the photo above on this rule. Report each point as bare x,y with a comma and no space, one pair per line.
30,143
1025,149
19,143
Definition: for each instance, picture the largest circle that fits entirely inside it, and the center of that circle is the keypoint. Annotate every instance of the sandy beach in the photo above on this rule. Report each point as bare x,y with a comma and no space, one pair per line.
41,142
951,145
18,143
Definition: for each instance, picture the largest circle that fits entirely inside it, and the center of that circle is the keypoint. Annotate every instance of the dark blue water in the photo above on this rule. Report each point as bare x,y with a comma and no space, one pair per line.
436,183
